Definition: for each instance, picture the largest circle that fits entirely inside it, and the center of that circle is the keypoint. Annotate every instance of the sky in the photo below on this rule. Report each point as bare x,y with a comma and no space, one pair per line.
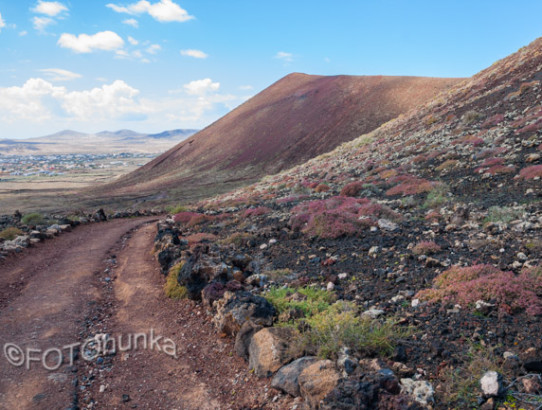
155,65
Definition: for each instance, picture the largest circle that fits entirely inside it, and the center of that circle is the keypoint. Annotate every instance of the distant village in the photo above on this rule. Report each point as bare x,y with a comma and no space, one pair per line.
60,164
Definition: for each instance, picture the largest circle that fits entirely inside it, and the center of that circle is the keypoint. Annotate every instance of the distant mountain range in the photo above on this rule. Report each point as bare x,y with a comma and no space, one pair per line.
105,142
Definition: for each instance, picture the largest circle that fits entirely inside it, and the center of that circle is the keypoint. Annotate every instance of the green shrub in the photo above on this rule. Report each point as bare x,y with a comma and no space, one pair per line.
175,209
341,325
437,196
33,219
237,239
310,302
326,326
10,233
503,214
172,288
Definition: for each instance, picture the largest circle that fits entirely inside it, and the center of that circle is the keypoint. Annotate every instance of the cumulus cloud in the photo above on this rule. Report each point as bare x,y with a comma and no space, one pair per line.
84,43
132,41
49,8
131,22
201,87
194,53
59,75
40,23
2,22
39,100
153,48
284,56
163,11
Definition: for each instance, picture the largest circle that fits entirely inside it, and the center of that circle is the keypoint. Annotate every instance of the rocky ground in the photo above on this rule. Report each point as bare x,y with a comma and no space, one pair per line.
424,234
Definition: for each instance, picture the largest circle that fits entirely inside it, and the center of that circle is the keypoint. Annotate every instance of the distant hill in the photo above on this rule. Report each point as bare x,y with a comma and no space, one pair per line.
297,118
105,142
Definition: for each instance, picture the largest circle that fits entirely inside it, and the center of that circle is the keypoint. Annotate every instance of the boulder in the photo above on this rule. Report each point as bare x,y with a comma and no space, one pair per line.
270,349
317,381
243,338
234,309
99,216
203,268
286,379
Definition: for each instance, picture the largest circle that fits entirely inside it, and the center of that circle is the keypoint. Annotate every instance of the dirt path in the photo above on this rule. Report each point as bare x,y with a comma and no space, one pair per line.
45,296
205,375
102,279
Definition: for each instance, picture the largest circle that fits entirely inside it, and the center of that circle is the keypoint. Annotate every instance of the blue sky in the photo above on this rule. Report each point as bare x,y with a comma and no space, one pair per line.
153,65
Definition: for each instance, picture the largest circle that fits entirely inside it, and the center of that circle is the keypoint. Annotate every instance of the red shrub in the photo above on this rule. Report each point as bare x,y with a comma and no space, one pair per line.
426,248
199,237
484,282
412,186
322,188
261,210
352,189
184,217
531,172
492,121
337,216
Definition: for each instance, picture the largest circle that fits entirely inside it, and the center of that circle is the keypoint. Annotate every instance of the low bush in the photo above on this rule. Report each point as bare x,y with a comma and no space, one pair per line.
426,248
238,239
33,219
172,288
352,189
466,285
412,186
261,210
437,196
503,214
308,299
470,117
175,209
534,171
10,233
322,188
337,216
341,326
327,326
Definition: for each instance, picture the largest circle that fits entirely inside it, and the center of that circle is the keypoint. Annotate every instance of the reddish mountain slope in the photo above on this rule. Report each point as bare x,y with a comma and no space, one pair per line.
295,119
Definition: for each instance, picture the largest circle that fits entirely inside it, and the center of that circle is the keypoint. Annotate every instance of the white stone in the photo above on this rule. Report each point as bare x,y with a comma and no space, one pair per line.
387,225
415,303
263,246
373,313
343,275
491,384
330,286
420,390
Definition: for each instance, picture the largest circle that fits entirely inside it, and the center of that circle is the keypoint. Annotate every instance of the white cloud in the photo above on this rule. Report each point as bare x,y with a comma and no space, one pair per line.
246,87
84,43
2,22
40,23
284,56
131,22
49,8
38,100
153,49
194,53
163,11
23,33
201,87
133,41
58,74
